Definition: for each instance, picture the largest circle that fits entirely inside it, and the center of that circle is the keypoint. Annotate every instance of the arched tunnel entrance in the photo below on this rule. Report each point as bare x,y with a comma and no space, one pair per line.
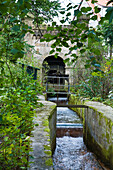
53,66
54,74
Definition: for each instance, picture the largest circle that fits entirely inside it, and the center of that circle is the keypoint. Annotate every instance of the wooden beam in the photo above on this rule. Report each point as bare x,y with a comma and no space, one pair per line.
72,106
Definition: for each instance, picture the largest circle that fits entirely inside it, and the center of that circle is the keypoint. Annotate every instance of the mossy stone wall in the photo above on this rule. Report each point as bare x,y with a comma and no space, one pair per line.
97,128
44,137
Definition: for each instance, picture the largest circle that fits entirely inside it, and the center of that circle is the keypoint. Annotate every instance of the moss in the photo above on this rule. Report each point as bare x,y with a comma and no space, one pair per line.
53,107
105,153
49,162
107,136
99,150
47,130
49,153
53,111
47,147
45,123
48,134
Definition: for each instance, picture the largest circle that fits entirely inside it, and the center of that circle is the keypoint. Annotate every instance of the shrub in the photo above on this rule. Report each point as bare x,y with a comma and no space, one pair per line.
16,119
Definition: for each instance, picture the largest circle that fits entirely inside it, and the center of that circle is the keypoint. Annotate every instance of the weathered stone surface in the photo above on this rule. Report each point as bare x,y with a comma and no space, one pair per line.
97,128
44,137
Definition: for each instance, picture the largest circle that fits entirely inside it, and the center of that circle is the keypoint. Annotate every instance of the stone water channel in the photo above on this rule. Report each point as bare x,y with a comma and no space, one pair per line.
71,153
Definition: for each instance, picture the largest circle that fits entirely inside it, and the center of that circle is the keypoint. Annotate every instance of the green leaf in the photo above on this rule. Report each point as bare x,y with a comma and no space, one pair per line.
50,28
52,51
75,6
79,44
20,2
111,17
65,44
53,23
58,49
1,116
94,17
36,124
76,12
97,9
85,9
68,14
69,4
53,45
6,139
66,60
110,1
13,19
14,51
87,65
42,40
93,1
4,2
82,50
62,12
47,36
75,56
16,28
56,55
69,8
62,21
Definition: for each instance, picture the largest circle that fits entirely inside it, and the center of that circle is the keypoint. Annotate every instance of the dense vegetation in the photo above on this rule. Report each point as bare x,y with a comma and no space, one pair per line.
91,49
18,90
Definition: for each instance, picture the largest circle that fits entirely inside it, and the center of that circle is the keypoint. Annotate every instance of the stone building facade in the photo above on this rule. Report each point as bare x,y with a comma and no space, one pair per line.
41,54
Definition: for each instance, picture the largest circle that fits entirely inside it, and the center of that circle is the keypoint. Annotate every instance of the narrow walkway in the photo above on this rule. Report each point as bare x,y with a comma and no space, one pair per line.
41,145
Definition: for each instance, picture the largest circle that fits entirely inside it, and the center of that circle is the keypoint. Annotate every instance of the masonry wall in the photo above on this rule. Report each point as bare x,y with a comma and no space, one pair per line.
43,138
97,128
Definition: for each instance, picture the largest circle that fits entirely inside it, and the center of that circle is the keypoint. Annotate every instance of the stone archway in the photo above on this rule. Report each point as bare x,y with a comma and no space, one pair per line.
53,67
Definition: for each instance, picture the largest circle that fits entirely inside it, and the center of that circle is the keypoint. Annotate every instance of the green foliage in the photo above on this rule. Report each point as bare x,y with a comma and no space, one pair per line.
96,85
18,90
77,33
44,10
16,125
13,25
16,116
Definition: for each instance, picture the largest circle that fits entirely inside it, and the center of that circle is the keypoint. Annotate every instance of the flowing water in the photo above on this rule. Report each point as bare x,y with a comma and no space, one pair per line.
71,153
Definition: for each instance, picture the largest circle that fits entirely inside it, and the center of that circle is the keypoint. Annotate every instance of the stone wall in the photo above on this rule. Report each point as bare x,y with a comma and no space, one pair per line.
44,137
42,49
97,128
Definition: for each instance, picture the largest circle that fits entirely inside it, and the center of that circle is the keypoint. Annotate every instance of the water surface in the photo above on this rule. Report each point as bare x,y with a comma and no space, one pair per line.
72,154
